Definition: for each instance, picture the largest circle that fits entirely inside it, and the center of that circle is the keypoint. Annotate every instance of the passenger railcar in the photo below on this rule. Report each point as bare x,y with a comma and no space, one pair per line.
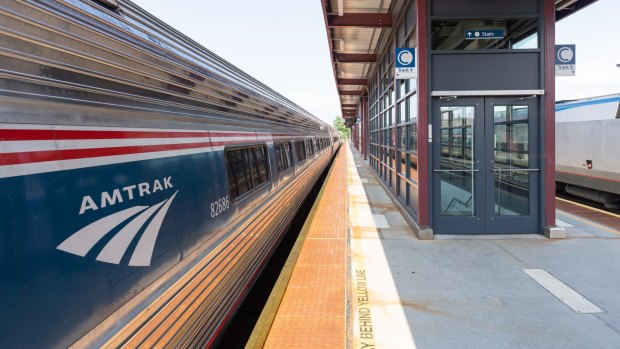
144,181
587,143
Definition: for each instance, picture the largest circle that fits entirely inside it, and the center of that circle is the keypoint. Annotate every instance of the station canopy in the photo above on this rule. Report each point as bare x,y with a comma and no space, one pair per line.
359,30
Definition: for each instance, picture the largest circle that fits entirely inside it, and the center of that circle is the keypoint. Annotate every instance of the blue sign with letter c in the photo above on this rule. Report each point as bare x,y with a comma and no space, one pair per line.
565,54
405,58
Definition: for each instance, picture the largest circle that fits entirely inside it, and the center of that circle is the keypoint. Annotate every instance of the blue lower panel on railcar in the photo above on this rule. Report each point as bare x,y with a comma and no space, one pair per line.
51,297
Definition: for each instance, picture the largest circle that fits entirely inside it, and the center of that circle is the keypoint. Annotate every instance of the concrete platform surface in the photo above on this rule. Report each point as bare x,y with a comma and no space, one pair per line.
456,292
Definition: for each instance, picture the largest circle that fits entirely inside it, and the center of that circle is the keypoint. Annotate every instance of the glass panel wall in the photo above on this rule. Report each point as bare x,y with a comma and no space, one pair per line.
393,107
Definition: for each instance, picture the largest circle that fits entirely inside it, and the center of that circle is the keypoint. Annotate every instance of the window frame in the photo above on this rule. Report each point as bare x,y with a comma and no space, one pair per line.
252,186
299,152
291,161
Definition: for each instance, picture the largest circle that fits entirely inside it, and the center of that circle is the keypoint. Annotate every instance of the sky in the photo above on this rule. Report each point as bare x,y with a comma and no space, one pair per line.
595,32
283,43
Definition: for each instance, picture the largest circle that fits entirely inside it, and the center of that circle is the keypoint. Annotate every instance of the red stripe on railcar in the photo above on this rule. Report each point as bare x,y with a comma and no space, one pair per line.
72,154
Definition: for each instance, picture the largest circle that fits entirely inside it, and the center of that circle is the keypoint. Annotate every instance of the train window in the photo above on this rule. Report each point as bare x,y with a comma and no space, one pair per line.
258,165
239,181
247,168
284,156
300,151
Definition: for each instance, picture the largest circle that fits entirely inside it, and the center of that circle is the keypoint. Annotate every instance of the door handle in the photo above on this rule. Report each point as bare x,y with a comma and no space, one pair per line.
474,170
496,169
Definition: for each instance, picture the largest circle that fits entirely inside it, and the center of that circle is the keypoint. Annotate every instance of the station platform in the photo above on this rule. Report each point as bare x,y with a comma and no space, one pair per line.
360,278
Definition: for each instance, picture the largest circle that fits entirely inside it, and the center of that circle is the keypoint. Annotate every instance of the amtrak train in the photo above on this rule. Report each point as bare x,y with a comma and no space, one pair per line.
144,181
587,148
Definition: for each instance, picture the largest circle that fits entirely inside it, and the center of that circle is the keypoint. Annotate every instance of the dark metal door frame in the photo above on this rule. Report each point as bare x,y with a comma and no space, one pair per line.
501,178
459,224
484,170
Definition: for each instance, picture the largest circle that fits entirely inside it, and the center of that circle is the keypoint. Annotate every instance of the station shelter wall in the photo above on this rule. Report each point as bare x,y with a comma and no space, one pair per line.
393,119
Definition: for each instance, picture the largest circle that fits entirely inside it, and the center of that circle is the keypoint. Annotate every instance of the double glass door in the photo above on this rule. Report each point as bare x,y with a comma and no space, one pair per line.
485,165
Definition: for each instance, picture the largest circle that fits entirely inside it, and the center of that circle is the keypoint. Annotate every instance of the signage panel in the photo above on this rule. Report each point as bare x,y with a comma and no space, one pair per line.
484,34
405,67
565,59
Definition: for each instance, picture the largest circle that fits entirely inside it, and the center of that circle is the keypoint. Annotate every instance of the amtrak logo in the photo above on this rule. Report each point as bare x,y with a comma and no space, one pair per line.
81,242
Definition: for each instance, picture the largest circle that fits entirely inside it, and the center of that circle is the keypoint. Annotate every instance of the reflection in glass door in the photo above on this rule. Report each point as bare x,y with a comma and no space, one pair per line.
457,161
511,158
458,202
512,191
484,174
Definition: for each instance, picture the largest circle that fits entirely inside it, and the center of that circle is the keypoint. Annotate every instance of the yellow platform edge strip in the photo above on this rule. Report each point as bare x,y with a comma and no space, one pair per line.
267,316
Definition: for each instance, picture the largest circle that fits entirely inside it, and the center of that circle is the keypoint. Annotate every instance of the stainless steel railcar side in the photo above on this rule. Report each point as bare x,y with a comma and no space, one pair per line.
587,144
119,221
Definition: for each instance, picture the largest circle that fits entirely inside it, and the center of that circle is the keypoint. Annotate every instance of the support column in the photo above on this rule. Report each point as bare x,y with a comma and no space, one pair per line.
423,105
365,135
551,230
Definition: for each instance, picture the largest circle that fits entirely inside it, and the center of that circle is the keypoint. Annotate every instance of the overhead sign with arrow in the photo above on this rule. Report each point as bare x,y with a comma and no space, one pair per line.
482,34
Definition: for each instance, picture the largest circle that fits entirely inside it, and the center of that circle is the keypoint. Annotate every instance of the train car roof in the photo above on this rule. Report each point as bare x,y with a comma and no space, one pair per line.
575,103
605,107
176,71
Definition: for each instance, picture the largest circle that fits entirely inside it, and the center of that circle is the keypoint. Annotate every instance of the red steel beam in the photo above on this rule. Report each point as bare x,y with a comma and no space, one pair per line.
349,105
423,118
352,81
365,126
549,107
355,58
350,93
368,20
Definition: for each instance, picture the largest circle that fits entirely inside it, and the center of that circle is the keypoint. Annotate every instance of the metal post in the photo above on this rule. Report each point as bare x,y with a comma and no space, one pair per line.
423,110
549,113
364,106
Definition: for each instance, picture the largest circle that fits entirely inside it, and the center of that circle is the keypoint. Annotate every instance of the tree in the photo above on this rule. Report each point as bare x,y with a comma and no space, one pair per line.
345,132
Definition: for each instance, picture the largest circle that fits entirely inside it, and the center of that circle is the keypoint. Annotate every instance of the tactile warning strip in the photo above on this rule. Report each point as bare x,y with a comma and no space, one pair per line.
312,311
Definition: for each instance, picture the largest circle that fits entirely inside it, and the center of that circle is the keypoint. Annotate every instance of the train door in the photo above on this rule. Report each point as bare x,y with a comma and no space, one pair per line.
485,165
